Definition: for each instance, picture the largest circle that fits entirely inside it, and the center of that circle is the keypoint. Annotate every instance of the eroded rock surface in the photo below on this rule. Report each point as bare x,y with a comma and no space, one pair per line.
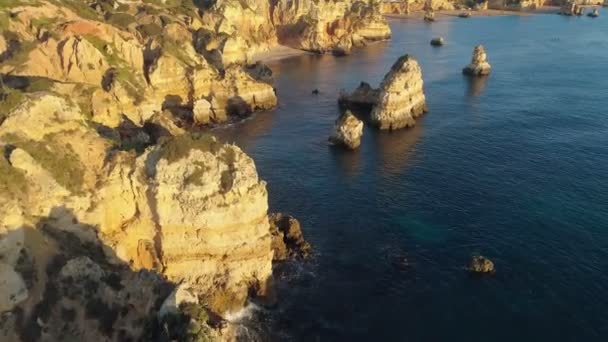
287,239
479,65
401,98
348,131
188,208
397,102
481,264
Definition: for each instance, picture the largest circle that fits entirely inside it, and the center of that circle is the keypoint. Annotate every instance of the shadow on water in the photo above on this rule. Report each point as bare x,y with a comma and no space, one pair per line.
395,148
475,85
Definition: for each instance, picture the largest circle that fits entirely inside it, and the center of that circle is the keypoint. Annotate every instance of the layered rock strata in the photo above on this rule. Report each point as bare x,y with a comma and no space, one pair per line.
189,208
479,65
397,102
348,131
401,98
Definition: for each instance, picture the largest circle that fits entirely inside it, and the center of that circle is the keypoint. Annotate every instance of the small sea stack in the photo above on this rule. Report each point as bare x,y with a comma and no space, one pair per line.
429,15
479,65
464,14
401,98
594,14
438,41
348,131
571,8
481,265
396,103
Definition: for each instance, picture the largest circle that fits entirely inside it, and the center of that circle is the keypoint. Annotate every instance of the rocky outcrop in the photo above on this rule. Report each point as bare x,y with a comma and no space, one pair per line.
189,208
480,264
439,41
364,97
594,14
287,239
429,15
397,102
571,8
136,69
329,26
479,65
401,98
348,131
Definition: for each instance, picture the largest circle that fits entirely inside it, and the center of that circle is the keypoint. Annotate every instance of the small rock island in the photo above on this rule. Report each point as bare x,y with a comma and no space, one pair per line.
479,65
397,102
348,131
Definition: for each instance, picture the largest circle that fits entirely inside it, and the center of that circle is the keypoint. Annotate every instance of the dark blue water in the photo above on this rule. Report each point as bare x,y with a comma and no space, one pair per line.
514,167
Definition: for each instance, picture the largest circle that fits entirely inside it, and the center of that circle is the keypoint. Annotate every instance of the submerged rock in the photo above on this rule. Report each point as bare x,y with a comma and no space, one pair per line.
348,131
479,65
481,264
287,239
401,97
439,41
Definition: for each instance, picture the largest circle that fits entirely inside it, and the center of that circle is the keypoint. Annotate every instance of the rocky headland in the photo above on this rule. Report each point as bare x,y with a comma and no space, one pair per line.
347,131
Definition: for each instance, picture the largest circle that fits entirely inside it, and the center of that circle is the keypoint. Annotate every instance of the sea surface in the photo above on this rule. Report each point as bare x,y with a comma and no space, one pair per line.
513,167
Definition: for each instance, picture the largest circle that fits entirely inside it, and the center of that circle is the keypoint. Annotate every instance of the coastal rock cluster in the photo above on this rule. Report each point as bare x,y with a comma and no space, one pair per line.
397,102
131,59
189,209
479,65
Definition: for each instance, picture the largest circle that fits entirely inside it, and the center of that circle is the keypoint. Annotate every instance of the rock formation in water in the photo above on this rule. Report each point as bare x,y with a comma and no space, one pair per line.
348,131
397,102
571,8
364,97
594,14
439,41
401,98
479,65
287,238
189,208
429,15
481,264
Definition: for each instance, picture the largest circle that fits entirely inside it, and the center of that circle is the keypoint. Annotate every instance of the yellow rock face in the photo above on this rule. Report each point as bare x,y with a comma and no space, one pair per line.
191,207
401,98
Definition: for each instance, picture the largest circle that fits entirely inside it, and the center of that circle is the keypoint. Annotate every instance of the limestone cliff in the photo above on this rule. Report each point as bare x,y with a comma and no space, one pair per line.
189,208
327,25
348,131
130,59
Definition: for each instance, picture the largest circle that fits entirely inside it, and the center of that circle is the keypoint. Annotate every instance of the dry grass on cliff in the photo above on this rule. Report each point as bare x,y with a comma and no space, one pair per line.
179,147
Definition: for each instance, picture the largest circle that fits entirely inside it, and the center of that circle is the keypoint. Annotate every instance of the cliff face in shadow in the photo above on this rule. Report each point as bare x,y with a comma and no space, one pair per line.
70,291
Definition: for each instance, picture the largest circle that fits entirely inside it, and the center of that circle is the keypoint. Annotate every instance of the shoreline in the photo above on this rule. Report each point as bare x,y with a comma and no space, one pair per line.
280,52
443,14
